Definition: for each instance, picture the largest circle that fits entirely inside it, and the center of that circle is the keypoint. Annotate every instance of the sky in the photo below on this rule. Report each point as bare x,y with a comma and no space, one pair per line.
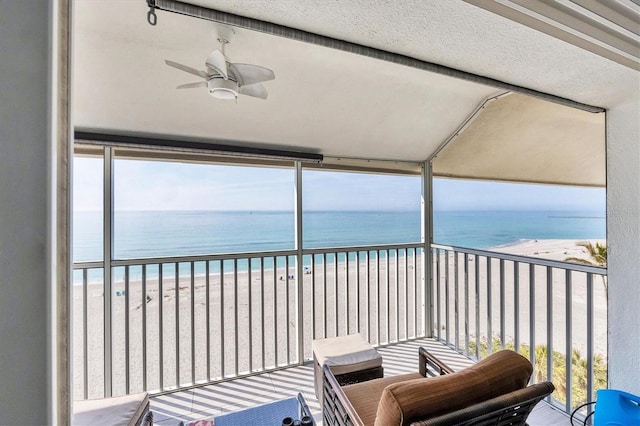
454,194
155,185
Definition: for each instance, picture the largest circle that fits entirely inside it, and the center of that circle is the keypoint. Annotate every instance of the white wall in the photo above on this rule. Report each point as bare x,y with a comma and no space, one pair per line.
623,239
24,142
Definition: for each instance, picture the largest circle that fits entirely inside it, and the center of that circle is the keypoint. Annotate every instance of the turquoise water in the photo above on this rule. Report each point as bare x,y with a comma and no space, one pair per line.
175,233
486,229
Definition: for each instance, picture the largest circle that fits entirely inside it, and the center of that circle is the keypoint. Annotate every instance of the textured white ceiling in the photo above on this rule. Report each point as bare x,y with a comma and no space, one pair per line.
322,100
458,35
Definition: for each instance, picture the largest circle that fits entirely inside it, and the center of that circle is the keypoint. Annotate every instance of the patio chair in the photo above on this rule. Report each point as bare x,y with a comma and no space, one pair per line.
492,392
127,410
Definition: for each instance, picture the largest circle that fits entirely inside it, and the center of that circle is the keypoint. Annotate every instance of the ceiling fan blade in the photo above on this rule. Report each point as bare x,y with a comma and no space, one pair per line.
218,63
187,69
256,90
192,85
251,74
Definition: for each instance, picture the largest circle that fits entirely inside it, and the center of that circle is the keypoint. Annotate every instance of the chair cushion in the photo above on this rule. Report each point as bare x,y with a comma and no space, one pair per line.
412,400
365,396
121,410
346,354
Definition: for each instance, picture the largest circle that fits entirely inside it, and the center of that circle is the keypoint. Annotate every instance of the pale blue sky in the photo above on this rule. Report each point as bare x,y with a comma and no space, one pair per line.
149,185
453,194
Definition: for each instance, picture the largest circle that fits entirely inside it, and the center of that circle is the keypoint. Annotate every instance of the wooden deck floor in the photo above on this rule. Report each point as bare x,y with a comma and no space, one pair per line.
212,400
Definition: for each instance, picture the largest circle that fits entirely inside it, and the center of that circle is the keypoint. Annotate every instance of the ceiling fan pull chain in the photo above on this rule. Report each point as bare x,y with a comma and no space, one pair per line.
152,18
223,43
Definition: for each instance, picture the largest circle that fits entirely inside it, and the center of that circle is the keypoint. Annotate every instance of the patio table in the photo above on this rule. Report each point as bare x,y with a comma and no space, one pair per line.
272,413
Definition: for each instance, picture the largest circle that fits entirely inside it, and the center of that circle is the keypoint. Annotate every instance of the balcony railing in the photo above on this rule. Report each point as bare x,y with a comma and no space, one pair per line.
176,322
552,312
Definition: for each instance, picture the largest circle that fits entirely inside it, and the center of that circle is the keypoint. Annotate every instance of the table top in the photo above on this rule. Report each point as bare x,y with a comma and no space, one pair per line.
271,413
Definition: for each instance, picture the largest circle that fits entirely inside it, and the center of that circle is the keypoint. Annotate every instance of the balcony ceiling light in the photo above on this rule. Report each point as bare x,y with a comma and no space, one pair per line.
223,89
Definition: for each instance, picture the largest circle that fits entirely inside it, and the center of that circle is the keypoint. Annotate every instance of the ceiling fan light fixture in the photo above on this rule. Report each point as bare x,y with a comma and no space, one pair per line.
223,89
224,94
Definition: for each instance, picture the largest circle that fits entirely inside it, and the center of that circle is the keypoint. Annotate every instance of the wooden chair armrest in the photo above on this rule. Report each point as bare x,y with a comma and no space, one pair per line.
512,408
430,365
333,390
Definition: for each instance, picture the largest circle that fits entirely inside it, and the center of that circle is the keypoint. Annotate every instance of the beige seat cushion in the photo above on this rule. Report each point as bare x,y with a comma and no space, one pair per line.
121,410
411,400
346,354
343,354
365,396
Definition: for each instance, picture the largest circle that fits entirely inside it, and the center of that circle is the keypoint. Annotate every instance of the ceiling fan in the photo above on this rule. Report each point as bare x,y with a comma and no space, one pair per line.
226,80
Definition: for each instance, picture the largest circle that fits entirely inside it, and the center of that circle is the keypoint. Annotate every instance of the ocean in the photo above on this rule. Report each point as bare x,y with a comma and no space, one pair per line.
177,233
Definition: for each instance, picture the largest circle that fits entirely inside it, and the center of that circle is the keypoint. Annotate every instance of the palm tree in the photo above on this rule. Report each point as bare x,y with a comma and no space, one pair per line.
598,254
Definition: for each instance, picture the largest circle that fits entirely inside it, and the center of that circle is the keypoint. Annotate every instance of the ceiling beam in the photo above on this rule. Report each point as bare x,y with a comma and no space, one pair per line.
184,145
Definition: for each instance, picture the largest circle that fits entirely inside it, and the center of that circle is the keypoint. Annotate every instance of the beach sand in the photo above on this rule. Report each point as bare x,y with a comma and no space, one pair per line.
276,294
549,249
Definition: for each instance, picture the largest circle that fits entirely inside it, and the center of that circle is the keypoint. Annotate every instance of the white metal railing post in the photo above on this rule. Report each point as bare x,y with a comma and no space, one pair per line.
427,232
107,240
299,267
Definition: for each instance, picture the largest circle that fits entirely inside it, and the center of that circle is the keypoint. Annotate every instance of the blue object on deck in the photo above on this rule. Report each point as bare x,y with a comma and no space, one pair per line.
616,408
272,413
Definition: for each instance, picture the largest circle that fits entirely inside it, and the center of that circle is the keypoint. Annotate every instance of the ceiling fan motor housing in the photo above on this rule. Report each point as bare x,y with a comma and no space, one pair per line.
222,89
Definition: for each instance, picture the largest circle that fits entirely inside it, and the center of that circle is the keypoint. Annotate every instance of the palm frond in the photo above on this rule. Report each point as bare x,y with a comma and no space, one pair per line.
579,260
597,252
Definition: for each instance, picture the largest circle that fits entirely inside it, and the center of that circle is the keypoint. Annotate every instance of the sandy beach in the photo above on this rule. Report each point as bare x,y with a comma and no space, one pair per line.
549,249
266,305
